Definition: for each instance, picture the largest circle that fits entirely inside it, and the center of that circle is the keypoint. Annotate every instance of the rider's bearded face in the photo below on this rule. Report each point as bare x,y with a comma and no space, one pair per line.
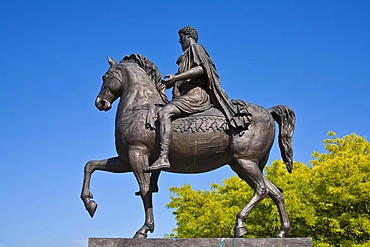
184,41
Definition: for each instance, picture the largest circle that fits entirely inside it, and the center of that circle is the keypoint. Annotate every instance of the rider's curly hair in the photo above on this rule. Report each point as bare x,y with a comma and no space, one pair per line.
191,31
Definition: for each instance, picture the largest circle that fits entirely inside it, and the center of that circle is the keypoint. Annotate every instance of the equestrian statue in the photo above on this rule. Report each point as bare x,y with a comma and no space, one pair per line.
199,130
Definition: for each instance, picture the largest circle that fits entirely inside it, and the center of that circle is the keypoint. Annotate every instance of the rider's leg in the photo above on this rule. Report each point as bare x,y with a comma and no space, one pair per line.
165,116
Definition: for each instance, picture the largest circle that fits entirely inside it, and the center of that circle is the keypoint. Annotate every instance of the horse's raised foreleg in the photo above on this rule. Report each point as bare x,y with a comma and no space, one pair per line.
111,165
139,160
277,196
249,171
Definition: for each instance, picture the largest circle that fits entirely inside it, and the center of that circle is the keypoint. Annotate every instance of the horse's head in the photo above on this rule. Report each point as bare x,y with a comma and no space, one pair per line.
110,90
135,76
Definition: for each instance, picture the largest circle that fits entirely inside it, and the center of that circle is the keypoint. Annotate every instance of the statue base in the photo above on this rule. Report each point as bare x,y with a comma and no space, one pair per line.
199,242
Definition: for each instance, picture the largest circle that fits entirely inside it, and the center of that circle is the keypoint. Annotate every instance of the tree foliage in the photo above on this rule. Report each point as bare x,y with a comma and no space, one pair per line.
328,201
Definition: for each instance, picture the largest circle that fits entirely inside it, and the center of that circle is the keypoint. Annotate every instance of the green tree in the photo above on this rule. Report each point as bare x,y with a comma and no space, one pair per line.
328,201
212,213
340,182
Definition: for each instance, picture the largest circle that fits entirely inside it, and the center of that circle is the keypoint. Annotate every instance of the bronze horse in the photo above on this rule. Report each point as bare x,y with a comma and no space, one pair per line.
200,142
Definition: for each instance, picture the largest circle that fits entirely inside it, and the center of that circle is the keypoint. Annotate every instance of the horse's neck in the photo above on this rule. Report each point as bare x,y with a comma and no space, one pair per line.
139,90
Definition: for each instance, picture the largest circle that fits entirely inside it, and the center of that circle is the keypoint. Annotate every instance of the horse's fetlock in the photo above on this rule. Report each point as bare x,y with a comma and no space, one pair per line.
86,196
286,227
240,218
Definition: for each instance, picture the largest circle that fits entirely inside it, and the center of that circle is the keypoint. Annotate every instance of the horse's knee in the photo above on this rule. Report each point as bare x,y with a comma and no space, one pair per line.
89,167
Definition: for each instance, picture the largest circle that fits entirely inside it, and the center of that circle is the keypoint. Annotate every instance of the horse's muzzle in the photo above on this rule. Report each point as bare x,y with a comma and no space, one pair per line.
102,104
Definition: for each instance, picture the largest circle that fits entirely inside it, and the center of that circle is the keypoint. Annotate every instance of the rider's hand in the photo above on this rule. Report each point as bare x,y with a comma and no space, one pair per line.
169,80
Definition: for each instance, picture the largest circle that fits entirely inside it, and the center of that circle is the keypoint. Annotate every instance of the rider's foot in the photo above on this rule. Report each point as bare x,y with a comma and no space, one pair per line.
161,163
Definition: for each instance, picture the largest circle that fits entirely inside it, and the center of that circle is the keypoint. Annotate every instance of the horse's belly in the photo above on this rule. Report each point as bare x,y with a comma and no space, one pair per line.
200,150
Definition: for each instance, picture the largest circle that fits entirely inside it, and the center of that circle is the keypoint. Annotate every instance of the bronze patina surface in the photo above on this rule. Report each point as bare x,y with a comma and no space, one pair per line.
199,130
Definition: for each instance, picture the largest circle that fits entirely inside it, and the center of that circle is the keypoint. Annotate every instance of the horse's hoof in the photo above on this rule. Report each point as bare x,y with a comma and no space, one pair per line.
239,231
140,235
91,207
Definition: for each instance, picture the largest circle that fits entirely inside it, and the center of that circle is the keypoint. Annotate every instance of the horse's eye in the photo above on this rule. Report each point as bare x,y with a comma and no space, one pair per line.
108,76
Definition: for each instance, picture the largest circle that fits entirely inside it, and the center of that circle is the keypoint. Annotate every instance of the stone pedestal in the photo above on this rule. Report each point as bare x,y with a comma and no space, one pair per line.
200,242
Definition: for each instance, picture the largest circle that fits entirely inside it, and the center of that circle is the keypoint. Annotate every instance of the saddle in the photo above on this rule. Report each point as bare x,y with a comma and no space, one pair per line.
211,119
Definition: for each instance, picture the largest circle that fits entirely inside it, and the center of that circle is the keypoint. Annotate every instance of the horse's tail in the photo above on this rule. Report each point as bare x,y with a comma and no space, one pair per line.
285,118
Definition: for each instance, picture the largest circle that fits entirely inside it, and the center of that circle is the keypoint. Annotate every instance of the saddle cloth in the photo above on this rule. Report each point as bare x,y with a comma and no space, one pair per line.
211,119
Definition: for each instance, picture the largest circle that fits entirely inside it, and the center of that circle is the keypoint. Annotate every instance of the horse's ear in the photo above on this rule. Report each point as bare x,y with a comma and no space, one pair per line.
111,61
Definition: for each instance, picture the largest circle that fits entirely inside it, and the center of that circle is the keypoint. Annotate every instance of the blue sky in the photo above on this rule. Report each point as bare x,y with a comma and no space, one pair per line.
311,55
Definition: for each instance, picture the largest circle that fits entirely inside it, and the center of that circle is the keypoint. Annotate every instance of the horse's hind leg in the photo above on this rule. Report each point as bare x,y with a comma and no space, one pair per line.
111,165
249,171
277,196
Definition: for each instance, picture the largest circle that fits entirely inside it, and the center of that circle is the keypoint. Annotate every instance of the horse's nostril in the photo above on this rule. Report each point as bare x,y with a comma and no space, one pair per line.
99,103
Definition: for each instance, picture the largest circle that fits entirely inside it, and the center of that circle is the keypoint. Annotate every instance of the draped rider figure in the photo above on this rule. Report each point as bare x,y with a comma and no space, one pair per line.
196,88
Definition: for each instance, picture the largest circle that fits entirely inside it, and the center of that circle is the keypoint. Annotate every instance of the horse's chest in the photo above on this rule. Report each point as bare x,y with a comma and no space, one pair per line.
132,130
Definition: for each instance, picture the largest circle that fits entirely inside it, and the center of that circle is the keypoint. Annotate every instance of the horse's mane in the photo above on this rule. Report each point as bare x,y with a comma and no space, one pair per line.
152,71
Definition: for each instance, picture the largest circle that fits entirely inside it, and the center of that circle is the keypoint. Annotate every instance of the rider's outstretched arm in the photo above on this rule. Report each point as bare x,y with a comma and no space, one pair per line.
192,73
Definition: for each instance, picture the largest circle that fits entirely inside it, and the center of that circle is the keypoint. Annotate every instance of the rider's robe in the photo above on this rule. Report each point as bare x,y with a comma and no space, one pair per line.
195,95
